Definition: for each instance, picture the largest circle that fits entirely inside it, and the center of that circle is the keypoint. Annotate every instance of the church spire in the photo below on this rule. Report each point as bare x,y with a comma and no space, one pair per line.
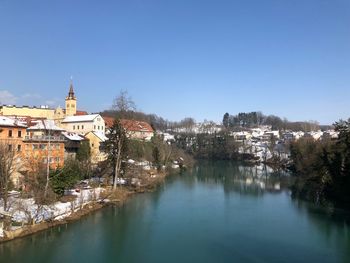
71,90
71,101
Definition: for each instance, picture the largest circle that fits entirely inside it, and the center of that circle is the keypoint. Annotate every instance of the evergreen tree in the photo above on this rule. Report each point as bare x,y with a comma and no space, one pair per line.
84,152
156,157
65,178
84,159
225,120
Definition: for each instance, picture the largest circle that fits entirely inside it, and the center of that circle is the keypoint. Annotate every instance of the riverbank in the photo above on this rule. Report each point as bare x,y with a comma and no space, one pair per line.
106,196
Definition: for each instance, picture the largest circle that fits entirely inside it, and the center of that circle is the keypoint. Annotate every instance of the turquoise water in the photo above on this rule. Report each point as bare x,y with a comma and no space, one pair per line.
218,212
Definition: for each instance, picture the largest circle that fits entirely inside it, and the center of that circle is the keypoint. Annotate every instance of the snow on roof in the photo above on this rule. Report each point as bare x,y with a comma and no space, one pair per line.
133,125
46,125
100,135
73,136
5,121
80,118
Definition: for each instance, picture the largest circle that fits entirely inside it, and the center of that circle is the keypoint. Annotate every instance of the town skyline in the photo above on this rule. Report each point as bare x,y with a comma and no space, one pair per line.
28,100
184,59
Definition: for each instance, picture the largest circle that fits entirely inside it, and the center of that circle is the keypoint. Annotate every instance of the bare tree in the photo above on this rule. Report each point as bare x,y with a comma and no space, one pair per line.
116,148
7,168
123,103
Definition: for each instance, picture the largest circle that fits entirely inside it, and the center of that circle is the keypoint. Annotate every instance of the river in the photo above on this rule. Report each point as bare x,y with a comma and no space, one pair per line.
218,212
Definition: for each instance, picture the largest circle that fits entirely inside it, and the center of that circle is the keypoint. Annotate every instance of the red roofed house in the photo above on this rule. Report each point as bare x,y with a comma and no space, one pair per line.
139,130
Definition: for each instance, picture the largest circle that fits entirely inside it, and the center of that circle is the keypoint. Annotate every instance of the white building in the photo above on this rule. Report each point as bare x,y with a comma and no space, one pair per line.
83,124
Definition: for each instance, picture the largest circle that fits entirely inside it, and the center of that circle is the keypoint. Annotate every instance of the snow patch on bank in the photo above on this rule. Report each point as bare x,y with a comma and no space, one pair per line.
26,211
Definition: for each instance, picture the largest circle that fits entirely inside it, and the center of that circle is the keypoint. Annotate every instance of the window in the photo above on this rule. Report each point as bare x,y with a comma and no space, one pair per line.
19,147
35,146
57,146
73,127
78,127
57,159
10,133
82,127
67,105
94,127
42,146
72,105
98,127
19,133
10,147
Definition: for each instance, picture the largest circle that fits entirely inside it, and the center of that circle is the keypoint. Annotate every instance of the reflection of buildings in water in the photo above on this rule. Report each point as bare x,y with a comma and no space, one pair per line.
233,177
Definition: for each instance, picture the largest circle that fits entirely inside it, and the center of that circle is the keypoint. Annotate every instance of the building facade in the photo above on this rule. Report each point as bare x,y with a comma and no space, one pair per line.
84,124
44,143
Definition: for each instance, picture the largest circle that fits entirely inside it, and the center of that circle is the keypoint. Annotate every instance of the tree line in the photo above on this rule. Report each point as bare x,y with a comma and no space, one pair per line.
256,118
322,168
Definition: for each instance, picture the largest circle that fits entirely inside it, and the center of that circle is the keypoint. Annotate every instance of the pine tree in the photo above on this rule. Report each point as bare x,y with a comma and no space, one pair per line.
225,120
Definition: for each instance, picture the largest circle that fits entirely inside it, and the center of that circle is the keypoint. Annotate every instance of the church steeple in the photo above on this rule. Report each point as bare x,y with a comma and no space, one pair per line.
71,101
71,91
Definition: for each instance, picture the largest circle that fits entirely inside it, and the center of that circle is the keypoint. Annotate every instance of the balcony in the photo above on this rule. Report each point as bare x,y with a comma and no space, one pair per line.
45,138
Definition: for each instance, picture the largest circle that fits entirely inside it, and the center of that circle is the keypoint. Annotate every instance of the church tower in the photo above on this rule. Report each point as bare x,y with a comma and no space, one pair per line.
71,102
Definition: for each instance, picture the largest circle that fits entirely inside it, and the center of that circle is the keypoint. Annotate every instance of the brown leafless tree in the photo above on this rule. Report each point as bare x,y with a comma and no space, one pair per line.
123,103
7,168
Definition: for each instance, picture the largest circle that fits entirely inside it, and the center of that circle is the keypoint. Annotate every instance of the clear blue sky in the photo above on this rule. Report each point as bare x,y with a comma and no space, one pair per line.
181,58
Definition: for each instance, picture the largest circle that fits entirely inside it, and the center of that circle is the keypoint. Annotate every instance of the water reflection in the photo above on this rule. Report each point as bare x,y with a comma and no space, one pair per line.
331,224
217,212
250,180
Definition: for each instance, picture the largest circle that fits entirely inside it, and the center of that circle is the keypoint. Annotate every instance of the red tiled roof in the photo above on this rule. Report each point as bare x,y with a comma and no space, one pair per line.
130,125
134,126
81,112
108,121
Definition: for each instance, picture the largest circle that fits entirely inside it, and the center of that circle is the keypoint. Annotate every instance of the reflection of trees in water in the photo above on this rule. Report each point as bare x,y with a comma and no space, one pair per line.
12,248
333,224
234,177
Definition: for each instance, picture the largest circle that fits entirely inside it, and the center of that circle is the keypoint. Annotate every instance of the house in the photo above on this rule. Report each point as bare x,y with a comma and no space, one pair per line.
96,140
44,143
83,124
92,127
330,134
241,136
268,135
12,133
288,136
316,135
72,143
139,130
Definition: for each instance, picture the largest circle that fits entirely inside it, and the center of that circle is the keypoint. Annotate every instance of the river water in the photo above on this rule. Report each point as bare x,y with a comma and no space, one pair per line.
218,212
